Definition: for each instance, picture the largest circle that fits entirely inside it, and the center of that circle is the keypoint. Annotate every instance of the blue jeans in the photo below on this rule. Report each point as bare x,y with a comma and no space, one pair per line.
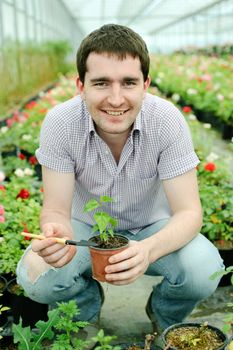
186,280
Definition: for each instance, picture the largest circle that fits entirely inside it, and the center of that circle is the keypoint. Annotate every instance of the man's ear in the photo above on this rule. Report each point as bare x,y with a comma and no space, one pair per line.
146,85
80,87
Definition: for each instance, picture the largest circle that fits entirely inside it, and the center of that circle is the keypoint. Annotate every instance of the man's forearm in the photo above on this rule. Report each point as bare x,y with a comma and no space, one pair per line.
181,228
52,216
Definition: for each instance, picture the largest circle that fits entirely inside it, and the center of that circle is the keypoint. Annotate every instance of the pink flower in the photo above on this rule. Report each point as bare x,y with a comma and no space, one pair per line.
2,219
2,211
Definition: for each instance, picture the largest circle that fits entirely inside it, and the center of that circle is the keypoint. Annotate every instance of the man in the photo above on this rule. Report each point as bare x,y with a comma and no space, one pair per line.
115,139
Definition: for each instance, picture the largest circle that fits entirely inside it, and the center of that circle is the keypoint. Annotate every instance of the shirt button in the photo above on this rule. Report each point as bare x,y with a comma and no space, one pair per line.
107,153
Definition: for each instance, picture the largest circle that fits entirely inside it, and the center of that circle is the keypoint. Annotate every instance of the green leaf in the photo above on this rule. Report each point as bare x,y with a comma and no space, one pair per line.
45,327
91,205
102,220
106,199
22,335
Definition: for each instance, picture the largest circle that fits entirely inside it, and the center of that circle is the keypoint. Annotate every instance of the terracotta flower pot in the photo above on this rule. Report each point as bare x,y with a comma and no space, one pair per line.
100,256
177,326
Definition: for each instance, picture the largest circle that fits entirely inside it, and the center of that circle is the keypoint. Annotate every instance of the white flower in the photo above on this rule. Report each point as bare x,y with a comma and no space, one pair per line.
158,80
175,97
28,172
26,137
191,91
192,117
2,176
4,129
220,97
1,239
212,157
41,94
19,172
207,125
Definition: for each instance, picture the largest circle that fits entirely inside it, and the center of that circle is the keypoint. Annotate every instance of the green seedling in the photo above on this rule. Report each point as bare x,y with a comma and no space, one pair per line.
104,341
105,223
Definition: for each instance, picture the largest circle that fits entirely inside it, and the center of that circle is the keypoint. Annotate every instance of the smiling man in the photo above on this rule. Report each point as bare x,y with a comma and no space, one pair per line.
116,139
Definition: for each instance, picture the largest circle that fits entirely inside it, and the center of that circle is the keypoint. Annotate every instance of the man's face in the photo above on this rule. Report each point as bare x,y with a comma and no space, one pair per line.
113,91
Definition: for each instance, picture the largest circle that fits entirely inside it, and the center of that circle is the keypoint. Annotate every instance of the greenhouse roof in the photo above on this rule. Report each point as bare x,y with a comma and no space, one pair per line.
153,18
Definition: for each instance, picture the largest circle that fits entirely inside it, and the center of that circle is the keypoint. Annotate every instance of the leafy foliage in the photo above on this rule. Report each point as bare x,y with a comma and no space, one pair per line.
105,341
105,223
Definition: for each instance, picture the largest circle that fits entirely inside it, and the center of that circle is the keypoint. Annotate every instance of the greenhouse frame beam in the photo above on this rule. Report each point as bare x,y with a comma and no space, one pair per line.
182,18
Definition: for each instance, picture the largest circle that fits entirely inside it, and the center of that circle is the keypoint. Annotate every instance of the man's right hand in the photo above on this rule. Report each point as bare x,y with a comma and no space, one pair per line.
54,254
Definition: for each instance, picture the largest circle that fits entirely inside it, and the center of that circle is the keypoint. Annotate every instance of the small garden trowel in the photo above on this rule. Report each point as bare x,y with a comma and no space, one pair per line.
83,242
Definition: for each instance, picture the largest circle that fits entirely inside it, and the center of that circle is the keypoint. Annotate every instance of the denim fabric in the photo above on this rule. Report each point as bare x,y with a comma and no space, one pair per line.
186,278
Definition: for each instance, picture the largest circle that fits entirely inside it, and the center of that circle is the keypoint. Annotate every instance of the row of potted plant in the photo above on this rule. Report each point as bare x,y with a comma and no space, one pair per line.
201,82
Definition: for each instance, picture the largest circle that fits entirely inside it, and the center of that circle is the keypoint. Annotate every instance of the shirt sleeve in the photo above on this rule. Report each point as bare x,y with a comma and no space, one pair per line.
53,151
177,155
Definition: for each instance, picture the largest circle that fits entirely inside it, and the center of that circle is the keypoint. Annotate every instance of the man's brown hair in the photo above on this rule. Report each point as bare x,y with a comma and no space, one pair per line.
113,39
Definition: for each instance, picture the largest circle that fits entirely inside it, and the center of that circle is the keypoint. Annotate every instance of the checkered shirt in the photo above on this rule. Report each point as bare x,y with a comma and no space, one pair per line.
158,148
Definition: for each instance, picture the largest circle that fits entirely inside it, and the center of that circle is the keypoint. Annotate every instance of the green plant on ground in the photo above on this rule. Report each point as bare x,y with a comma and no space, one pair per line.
65,324
60,319
228,319
105,223
105,341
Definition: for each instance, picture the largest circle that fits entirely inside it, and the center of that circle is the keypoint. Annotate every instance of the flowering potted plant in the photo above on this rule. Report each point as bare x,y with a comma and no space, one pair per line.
108,242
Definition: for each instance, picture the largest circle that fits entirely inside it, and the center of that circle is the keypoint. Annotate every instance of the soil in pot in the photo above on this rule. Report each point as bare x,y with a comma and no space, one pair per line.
101,254
194,337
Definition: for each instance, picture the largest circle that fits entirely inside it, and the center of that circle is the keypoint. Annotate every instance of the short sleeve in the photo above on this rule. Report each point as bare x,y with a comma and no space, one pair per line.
177,154
53,151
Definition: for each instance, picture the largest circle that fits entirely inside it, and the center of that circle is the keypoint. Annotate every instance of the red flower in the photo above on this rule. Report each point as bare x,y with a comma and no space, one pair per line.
24,194
31,104
21,156
187,109
32,160
41,190
25,237
2,188
210,167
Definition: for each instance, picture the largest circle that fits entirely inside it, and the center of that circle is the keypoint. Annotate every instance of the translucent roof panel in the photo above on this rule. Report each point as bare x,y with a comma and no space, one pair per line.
153,18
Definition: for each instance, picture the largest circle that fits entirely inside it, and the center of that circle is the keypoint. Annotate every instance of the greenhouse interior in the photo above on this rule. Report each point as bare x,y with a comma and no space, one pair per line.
126,108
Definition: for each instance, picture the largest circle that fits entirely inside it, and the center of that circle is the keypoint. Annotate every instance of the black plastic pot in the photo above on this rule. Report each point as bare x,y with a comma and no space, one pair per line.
21,306
227,256
222,336
3,301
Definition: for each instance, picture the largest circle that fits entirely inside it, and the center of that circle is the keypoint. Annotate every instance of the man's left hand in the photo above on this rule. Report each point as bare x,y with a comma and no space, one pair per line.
125,267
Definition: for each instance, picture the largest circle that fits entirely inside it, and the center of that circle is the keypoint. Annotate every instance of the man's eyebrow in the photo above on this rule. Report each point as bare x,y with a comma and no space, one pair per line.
95,80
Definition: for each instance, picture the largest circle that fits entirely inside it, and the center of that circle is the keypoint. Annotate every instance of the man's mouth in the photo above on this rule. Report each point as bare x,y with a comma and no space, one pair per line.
115,113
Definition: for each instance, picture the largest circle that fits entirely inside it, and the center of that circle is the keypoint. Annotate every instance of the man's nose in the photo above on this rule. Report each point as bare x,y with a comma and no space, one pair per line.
115,97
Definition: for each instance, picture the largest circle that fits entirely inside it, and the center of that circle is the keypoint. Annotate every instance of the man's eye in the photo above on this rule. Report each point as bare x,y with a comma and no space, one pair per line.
100,84
130,83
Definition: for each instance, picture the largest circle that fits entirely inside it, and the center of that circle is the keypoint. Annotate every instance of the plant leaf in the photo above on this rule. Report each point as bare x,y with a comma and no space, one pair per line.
106,199
22,335
45,327
91,205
